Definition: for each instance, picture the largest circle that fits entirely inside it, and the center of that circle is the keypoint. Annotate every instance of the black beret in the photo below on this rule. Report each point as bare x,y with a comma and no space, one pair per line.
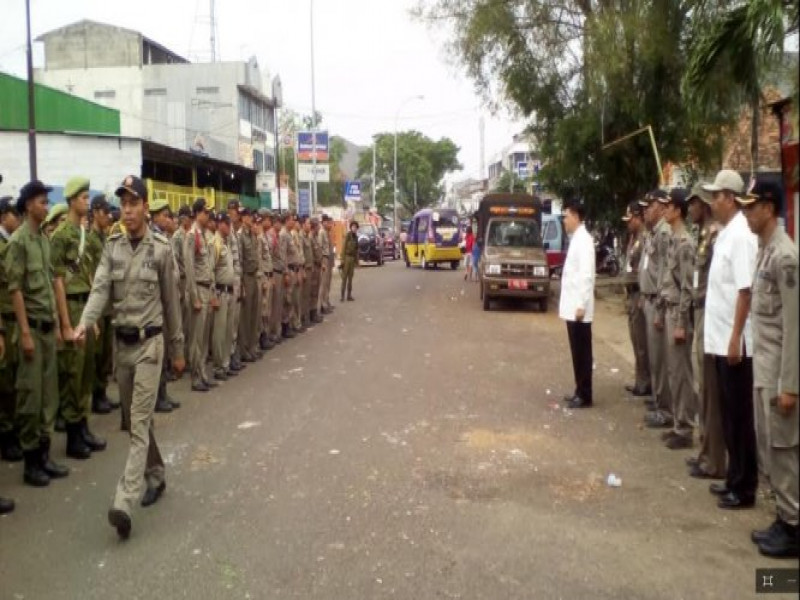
32,189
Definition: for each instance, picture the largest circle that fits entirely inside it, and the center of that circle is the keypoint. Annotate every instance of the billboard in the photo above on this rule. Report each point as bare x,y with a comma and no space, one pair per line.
352,191
305,146
304,202
305,173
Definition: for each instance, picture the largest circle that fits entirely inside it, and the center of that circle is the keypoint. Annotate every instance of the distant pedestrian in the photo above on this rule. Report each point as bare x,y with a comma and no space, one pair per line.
469,243
477,246
349,261
577,302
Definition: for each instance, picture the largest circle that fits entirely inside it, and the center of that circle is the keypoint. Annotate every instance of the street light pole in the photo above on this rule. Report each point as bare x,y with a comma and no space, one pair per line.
396,116
31,98
313,118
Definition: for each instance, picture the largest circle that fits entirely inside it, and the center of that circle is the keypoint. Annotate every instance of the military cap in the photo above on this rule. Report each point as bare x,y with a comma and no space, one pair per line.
245,212
75,186
6,205
676,196
184,211
30,190
222,218
762,191
698,193
99,202
233,205
658,195
156,206
132,185
726,180
55,212
198,206
634,209
265,213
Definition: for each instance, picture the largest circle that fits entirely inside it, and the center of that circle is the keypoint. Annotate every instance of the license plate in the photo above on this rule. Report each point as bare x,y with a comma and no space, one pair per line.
517,284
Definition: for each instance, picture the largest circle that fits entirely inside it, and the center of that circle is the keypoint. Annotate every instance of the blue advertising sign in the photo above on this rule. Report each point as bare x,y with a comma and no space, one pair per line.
304,202
522,170
305,146
352,191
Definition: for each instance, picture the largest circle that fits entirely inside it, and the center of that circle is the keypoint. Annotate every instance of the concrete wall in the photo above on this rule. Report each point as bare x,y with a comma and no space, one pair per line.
87,45
105,161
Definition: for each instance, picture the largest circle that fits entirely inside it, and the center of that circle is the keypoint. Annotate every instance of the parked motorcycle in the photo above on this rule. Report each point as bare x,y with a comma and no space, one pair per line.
606,261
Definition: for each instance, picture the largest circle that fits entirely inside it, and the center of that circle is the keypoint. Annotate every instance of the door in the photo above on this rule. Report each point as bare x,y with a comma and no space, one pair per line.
421,237
411,241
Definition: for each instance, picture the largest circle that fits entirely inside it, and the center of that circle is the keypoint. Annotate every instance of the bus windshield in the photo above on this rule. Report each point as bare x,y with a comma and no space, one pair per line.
510,233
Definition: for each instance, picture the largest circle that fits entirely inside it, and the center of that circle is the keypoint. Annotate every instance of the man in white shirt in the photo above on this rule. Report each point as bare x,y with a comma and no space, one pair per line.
728,339
577,302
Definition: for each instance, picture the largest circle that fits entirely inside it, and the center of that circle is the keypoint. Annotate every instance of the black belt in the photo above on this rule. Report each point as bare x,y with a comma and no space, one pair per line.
650,296
132,335
82,297
224,288
268,275
204,284
41,326
318,264
253,274
294,269
632,288
278,271
309,268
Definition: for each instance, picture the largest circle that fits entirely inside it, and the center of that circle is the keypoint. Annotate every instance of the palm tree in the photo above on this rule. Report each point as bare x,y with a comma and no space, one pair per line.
738,47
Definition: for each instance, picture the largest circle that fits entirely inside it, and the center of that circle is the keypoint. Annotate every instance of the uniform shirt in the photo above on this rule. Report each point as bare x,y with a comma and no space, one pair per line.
308,251
178,242
655,258
251,261
633,258
198,261
71,261
278,259
6,307
95,240
266,254
324,241
731,271
29,269
316,248
350,249
235,249
577,279
706,237
224,273
141,286
774,311
297,257
676,284
288,248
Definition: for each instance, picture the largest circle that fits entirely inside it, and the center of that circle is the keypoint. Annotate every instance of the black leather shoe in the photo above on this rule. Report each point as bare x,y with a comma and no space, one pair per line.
734,501
719,489
679,442
152,494
34,475
210,384
668,435
95,443
246,358
578,402
173,403
220,376
698,472
163,406
121,522
6,505
691,461
783,543
568,398
100,405
641,392
759,535
200,387
657,420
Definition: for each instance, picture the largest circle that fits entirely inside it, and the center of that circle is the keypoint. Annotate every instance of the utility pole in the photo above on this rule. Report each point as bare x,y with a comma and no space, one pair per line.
313,117
482,132
277,156
31,98
374,190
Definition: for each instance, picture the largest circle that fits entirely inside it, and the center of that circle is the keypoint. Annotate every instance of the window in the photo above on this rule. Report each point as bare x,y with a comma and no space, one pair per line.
155,92
105,94
514,234
550,231
208,90
269,163
258,160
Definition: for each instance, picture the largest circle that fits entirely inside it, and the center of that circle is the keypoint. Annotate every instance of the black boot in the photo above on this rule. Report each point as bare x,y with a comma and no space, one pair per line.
76,447
316,317
162,404
34,474
53,470
100,405
9,447
264,341
60,426
782,543
172,402
96,444
6,505
287,331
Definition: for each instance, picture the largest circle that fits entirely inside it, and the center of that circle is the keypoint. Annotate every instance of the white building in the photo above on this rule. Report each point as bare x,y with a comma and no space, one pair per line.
519,157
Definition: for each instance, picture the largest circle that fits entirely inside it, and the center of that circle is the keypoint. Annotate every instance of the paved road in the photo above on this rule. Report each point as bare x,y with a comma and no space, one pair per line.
413,447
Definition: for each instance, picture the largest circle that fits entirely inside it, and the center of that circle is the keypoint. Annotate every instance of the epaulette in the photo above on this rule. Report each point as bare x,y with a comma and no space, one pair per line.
160,237
115,236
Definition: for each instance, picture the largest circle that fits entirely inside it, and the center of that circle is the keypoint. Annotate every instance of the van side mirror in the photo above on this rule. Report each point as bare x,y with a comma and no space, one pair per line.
547,245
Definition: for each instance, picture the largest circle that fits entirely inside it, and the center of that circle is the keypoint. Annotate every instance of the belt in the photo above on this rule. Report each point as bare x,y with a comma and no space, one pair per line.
268,275
309,268
82,297
698,304
205,284
253,274
278,271
41,326
294,268
650,296
131,336
318,264
632,288
224,288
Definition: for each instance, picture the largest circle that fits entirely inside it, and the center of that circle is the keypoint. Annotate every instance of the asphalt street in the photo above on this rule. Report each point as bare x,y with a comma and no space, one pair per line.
412,446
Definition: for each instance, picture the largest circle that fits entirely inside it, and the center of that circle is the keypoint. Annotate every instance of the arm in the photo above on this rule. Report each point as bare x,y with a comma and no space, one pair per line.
585,276
662,246
15,274
743,263
787,283
171,308
739,319
98,298
188,267
686,257
59,288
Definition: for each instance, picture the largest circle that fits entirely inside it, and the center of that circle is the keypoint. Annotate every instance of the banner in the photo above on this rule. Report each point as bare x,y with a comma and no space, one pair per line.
305,173
304,202
305,146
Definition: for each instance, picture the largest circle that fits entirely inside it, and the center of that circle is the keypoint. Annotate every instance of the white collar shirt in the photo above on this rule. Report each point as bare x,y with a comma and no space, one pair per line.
731,271
577,280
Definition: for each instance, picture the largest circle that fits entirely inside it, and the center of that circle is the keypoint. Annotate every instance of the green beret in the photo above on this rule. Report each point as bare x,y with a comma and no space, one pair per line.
75,186
56,211
156,206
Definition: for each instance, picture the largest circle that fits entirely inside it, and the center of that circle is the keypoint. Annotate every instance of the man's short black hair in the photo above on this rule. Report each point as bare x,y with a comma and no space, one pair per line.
577,207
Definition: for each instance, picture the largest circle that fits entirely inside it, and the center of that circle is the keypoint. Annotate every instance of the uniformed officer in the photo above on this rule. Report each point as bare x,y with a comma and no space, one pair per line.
99,223
225,277
675,302
6,504
235,248
315,315
278,276
199,262
289,251
267,287
349,260
56,214
73,270
711,459
29,274
137,275
179,245
9,444
637,324
328,263
298,262
653,264
251,289
308,271
774,313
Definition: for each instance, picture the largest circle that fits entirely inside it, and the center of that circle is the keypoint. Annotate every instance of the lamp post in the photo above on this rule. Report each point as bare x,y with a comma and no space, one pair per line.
313,202
396,116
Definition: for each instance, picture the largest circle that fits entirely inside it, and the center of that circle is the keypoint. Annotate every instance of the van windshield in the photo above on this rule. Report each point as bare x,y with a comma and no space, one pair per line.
512,233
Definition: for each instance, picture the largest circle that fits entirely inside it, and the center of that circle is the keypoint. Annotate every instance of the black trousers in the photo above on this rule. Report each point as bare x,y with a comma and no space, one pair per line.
580,345
738,427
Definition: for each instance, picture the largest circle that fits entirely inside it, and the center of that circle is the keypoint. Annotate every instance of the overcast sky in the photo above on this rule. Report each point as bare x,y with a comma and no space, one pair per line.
370,57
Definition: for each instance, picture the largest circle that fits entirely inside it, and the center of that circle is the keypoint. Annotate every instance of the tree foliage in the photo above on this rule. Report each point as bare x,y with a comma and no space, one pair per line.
421,164
510,182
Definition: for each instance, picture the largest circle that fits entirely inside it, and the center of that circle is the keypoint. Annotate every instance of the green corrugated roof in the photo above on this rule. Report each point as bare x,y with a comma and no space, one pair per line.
56,111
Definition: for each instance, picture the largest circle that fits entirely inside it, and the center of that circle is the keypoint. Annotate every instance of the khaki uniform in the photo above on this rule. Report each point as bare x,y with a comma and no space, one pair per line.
349,262
199,265
251,294
712,457
10,360
103,348
235,249
774,316
650,276
308,274
328,261
637,324
266,284
297,262
28,268
222,332
179,245
316,273
140,284
289,251
278,272
73,264
676,301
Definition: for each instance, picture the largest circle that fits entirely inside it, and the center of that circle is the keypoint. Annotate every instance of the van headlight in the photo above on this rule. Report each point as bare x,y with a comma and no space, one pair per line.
540,271
493,269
